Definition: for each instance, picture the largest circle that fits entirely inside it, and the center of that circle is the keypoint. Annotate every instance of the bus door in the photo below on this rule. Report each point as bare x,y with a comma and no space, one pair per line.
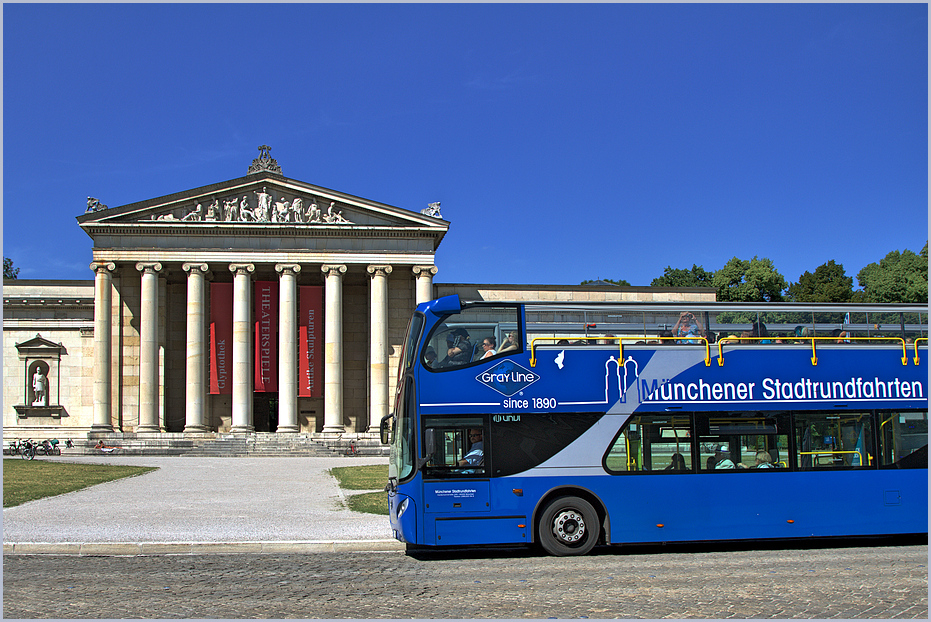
457,491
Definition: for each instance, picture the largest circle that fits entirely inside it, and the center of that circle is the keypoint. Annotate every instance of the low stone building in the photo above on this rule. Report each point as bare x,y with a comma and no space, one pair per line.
259,304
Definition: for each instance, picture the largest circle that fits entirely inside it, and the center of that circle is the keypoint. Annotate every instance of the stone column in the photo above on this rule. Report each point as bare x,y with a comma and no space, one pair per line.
103,345
148,348
424,276
242,348
287,348
196,387
333,350
378,364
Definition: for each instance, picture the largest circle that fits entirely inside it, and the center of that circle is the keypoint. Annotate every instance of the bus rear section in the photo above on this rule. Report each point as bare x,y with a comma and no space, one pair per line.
619,437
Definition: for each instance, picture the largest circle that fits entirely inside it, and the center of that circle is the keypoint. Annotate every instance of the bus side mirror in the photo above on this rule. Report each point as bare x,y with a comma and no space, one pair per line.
429,447
385,429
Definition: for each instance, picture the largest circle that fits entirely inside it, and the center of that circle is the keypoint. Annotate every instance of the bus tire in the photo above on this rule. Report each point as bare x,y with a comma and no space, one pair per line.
569,526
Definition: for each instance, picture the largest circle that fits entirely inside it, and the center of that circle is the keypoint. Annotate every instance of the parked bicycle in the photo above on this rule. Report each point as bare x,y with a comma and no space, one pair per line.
16,447
28,449
352,450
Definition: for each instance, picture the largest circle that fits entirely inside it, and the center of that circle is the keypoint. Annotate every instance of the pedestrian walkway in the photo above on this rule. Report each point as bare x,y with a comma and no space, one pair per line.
201,505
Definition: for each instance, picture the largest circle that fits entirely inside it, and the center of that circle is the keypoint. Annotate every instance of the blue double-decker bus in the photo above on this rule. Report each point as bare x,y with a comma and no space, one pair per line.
571,425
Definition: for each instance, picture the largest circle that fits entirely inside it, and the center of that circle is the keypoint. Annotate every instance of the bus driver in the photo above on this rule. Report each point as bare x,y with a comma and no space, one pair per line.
476,455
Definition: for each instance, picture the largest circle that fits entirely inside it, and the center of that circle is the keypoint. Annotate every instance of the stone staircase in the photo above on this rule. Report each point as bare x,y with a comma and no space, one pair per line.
225,445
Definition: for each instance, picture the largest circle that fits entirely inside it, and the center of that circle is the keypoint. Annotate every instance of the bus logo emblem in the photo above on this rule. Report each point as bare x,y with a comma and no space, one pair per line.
507,378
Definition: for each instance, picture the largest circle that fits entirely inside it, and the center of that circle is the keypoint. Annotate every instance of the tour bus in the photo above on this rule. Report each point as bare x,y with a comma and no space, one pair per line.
571,425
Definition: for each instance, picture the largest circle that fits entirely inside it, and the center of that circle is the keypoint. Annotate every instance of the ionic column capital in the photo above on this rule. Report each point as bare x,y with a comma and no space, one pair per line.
192,267
102,266
333,270
287,268
153,267
242,268
379,270
424,271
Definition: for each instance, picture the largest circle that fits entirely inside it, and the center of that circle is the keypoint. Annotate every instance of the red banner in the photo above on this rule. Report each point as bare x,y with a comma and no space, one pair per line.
310,355
266,336
221,338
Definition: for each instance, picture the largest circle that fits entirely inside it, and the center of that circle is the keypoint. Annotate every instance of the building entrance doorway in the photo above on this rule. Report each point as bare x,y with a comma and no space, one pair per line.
265,412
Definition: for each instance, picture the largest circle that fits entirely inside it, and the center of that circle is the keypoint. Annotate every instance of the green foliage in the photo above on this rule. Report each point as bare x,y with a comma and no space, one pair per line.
755,280
898,277
28,480
680,277
9,272
829,283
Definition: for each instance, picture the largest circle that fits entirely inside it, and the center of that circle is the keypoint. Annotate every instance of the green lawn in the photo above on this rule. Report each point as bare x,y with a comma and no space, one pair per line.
28,480
366,477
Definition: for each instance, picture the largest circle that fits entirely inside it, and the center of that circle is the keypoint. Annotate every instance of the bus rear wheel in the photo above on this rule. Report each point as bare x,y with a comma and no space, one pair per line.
569,526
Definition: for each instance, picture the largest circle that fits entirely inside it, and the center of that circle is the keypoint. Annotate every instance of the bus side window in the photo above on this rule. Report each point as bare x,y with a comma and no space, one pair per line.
903,439
834,440
655,443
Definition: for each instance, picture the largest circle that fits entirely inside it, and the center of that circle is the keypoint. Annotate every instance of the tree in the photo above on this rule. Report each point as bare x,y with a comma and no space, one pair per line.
681,277
829,283
755,280
9,272
606,282
898,277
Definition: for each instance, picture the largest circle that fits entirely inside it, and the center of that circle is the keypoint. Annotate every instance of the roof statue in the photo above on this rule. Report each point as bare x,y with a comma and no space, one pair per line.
432,209
265,162
93,205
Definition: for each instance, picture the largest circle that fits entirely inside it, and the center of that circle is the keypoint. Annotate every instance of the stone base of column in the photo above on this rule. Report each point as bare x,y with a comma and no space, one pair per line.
148,429
195,429
101,428
288,429
333,431
242,429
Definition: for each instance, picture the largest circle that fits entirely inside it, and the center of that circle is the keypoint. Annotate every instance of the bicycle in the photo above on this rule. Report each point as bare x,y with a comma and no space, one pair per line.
352,450
28,449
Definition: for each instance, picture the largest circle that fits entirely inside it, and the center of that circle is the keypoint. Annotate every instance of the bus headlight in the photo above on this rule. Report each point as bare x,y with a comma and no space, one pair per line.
402,507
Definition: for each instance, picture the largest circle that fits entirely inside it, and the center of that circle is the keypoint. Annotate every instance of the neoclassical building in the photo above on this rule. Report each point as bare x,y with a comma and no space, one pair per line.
259,304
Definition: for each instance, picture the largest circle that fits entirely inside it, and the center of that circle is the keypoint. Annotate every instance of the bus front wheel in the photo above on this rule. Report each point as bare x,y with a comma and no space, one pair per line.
569,526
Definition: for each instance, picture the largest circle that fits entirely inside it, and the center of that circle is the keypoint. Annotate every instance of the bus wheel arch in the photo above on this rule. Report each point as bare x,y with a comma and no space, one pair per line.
570,521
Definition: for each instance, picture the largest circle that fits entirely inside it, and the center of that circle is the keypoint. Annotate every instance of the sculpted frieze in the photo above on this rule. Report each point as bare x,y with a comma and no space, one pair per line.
262,207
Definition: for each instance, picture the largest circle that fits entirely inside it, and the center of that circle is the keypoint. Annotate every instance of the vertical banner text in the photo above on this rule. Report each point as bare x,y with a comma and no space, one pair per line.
266,336
310,355
221,338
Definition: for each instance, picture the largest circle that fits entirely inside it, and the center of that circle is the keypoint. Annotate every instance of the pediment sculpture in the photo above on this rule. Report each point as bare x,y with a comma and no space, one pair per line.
262,207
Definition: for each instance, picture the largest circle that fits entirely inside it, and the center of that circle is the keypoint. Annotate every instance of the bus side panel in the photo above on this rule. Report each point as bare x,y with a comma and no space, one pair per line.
748,505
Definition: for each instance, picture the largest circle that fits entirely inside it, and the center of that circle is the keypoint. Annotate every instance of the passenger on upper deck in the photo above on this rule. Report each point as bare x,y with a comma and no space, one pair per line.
489,346
458,348
687,327
511,344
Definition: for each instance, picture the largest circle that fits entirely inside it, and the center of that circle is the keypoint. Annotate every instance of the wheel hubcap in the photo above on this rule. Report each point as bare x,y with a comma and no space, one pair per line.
569,526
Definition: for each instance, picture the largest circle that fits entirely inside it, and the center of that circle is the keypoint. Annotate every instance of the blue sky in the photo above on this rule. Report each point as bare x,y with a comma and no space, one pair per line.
565,142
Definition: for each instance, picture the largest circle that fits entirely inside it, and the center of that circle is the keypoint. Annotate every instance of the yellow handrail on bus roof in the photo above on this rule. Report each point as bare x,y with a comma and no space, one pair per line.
814,355
925,339
620,340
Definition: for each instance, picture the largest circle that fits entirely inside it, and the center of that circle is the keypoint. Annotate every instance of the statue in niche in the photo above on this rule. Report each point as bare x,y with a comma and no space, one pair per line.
40,388
195,214
231,210
93,205
282,211
297,209
245,213
213,211
313,212
264,206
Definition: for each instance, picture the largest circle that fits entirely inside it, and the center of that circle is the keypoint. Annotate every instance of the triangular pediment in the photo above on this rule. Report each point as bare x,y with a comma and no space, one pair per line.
39,345
263,200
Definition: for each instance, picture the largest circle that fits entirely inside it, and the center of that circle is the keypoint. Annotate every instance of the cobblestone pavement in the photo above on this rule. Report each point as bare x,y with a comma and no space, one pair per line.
686,582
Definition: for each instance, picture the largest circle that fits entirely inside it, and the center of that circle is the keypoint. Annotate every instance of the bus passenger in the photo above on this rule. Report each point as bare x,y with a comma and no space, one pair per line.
476,455
722,458
687,328
458,348
511,344
678,463
489,346
763,460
